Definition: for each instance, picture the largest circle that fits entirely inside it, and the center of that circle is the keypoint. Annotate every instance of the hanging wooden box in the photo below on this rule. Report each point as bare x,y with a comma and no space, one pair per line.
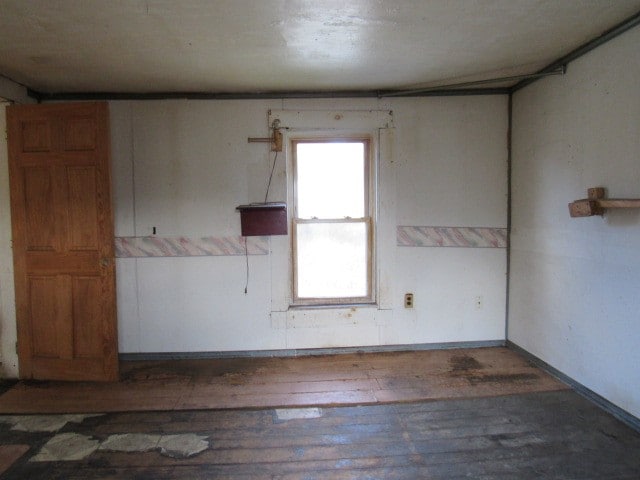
263,219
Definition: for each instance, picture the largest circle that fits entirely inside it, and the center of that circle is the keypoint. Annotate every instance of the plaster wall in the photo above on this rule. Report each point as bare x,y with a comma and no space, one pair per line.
183,167
8,335
14,92
574,283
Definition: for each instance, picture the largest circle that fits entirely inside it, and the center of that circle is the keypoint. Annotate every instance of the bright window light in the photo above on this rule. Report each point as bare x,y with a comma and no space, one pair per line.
332,222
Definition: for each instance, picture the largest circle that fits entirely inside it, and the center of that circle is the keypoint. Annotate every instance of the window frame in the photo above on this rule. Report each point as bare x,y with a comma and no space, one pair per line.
368,219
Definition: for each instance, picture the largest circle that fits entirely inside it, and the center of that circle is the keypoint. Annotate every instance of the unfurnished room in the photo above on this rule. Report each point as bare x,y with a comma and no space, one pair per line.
268,239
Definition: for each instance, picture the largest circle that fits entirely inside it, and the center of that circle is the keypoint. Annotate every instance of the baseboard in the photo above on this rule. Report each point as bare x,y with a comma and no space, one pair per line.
622,415
125,357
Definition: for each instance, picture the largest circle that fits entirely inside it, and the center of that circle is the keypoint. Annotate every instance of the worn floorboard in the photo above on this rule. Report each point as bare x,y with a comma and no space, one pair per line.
525,436
9,454
332,380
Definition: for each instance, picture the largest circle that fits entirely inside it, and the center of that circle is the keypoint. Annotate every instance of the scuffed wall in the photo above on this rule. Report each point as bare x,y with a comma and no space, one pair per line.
183,166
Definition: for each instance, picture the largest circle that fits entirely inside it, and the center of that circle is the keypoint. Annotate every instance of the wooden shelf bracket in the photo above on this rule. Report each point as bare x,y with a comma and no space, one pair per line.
596,204
275,140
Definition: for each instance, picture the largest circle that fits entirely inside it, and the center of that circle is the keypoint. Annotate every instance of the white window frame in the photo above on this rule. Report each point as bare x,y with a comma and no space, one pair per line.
368,219
295,320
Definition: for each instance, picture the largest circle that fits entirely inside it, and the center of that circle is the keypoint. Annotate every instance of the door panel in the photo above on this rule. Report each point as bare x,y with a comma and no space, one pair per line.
87,335
39,209
79,134
63,241
36,136
83,231
43,303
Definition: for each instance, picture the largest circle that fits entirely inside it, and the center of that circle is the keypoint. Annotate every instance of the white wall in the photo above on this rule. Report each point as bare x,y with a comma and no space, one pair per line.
183,167
575,283
8,335
14,92
451,171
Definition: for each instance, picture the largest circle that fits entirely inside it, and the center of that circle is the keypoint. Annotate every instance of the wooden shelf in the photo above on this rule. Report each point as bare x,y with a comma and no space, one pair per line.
596,204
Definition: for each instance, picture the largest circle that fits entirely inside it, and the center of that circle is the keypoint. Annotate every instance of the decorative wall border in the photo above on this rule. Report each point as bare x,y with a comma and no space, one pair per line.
134,247
406,236
462,237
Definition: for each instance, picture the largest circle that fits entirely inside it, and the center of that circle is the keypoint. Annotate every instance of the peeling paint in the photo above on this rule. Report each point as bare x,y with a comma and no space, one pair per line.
73,446
182,446
43,423
175,446
298,413
66,447
131,442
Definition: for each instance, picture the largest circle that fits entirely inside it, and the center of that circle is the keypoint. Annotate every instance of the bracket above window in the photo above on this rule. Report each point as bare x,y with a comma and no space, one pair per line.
275,140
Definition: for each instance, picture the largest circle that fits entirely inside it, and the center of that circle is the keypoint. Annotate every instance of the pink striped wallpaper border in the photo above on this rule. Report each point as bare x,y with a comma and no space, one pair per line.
464,237
406,236
134,247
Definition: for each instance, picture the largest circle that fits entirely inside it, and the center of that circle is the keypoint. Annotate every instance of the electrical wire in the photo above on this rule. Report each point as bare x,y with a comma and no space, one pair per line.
273,167
246,256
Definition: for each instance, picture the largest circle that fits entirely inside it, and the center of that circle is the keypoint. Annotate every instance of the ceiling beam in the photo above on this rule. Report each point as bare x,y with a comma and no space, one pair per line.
613,32
472,83
93,96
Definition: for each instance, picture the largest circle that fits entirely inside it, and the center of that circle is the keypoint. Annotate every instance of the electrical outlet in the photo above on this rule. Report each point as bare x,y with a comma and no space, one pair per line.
408,300
478,302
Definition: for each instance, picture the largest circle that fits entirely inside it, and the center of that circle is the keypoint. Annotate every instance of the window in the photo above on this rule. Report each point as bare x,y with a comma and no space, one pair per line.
332,221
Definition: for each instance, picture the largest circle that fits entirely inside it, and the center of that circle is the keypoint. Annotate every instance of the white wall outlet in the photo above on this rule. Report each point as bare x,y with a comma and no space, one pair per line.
478,302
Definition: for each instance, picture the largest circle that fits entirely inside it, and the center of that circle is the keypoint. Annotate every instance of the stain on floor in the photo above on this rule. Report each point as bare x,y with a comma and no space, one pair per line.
464,363
503,378
159,373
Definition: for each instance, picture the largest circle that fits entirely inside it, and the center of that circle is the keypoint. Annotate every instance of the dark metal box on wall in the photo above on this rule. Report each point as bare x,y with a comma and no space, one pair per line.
263,219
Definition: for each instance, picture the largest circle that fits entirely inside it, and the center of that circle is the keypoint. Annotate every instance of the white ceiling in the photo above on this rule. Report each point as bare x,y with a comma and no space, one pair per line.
145,46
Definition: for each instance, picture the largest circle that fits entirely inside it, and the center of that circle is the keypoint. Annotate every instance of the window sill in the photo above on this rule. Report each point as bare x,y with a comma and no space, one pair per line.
326,306
331,317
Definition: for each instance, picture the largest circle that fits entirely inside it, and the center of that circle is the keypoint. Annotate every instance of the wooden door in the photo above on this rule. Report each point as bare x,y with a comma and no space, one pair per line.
59,169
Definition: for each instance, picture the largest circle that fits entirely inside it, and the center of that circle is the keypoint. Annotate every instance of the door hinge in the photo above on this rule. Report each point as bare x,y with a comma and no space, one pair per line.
16,347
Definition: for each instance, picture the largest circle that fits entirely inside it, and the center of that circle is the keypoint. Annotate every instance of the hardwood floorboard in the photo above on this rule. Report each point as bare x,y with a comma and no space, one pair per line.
9,454
250,383
485,414
526,436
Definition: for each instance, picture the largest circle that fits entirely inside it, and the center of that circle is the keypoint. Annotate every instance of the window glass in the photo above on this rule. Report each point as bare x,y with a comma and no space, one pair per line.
332,260
330,180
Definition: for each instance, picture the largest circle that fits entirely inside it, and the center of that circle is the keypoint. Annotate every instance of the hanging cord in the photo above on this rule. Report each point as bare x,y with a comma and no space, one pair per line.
246,256
273,167
275,129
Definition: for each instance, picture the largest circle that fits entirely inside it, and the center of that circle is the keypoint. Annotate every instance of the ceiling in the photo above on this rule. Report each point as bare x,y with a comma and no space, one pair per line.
146,46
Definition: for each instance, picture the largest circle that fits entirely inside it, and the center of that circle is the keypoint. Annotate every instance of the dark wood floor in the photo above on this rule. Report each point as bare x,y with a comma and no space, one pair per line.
541,435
